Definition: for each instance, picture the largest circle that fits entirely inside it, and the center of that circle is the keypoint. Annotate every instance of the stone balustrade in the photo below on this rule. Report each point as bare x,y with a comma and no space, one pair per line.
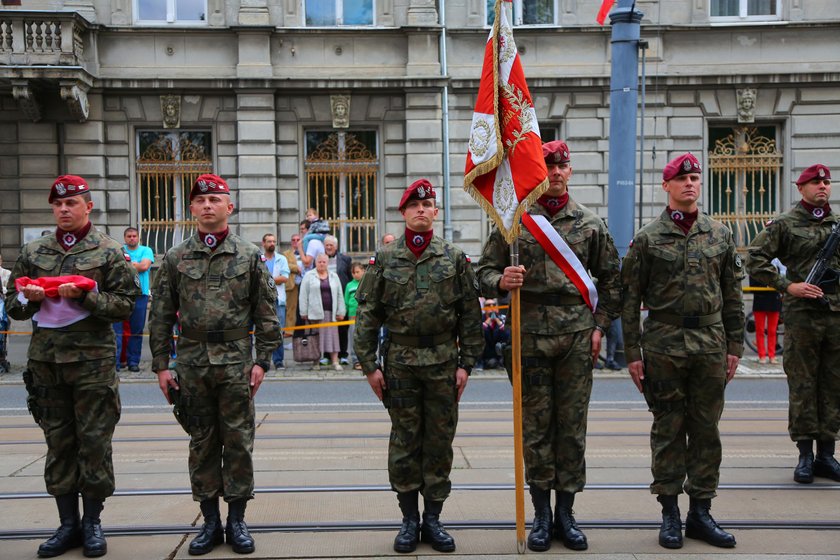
42,38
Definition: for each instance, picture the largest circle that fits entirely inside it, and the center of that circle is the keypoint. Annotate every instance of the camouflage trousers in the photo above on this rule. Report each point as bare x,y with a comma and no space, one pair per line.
556,386
79,404
424,414
685,396
221,445
812,366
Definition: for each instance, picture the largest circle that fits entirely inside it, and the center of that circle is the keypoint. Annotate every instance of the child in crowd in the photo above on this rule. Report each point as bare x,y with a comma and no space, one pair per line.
318,228
767,307
357,270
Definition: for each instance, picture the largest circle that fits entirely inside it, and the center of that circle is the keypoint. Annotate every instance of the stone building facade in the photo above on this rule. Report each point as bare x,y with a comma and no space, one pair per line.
340,108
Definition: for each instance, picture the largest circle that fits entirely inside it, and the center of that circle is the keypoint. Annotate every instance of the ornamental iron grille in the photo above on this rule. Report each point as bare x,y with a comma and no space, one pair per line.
744,178
341,170
167,165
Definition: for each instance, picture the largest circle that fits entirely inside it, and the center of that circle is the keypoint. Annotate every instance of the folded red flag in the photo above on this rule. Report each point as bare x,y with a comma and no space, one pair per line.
51,283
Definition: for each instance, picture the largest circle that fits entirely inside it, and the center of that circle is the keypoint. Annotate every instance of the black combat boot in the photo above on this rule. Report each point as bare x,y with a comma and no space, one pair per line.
670,532
804,471
565,526
432,530
69,534
406,540
211,532
699,524
94,540
539,539
826,466
236,531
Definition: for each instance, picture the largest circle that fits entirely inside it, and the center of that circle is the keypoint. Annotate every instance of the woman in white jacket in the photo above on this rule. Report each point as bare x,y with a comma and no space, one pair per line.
321,301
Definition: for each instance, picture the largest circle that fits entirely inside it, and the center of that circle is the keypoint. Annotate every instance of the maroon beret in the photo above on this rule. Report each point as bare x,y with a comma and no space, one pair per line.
681,165
209,184
67,186
816,171
418,190
555,152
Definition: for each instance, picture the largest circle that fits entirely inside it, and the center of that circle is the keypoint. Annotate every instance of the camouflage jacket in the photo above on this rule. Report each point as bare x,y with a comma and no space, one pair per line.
225,289
795,238
435,294
96,256
587,235
692,274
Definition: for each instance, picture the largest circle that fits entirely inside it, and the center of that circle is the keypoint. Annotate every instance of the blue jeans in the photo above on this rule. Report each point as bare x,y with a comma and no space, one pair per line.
136,323
278,355
615,339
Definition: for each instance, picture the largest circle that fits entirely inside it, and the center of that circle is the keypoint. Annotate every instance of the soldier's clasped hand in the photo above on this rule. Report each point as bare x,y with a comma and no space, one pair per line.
637,373
257,376
34,293
513,277
377,382
165,381
804,290
69,290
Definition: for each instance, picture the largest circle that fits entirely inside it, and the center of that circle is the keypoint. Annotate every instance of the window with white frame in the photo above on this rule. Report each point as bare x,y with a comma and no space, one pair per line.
170,11
745,9
526,12
330,13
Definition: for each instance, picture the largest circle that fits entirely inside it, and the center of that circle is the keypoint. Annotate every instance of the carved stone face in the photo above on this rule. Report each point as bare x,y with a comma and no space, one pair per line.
747,100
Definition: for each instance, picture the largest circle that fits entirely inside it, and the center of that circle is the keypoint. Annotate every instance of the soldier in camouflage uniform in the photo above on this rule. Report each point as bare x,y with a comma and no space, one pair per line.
561,339
73,386
423,290
220,285
812,318
683,267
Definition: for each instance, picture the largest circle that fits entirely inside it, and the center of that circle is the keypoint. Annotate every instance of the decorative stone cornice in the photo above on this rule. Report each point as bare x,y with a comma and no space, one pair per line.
75,95
27,101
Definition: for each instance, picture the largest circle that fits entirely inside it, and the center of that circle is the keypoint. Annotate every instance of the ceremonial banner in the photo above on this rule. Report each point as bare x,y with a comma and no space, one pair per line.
505,170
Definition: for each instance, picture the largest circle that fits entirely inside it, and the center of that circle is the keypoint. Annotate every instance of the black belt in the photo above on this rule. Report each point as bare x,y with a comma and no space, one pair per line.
424,341
550,299
88,324
686,321
215,336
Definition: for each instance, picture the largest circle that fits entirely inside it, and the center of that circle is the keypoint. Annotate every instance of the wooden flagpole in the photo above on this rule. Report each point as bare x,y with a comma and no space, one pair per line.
516,375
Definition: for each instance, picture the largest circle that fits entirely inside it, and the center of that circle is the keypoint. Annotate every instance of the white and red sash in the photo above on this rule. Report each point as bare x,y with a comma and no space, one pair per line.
563,256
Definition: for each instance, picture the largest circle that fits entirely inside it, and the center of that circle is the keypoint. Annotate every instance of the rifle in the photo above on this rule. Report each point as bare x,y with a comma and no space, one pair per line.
821,273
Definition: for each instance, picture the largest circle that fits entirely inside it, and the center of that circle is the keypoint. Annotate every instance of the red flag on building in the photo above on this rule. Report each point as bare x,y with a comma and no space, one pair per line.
505,169
606,6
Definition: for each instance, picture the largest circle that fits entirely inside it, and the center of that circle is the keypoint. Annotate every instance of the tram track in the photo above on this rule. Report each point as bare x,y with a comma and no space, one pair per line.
353,488
344,526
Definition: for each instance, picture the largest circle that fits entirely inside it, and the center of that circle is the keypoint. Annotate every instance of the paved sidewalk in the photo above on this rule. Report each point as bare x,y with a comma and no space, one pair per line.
18,345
